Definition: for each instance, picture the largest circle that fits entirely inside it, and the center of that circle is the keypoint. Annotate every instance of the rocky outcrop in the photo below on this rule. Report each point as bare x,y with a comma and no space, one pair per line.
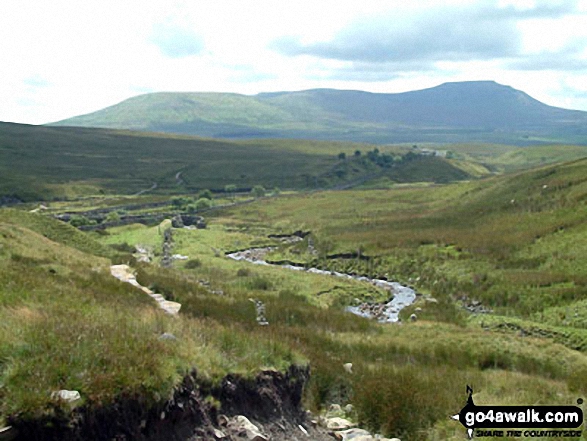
265,407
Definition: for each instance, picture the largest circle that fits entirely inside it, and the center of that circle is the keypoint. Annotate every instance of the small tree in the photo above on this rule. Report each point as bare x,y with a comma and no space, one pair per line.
203,203
78,220
113,216
342,156
276,191
205,194
181,201
230,189
357,153
258,191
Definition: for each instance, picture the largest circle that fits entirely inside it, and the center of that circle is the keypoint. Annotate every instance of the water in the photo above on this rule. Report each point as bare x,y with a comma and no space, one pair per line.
384,312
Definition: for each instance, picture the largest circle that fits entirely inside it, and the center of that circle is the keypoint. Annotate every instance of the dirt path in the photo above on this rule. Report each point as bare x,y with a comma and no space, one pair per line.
152,187
125,274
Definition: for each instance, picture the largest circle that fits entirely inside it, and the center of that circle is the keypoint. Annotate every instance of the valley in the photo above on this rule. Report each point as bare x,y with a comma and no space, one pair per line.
497,264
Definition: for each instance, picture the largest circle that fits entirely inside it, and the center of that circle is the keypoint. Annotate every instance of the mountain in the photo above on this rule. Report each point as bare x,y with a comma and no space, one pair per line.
482,111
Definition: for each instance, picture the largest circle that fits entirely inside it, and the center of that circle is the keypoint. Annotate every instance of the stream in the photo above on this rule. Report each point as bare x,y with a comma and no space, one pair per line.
387,312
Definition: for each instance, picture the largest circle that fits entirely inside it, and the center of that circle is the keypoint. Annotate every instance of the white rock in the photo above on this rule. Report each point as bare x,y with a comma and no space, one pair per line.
253,433
338,423
69,396
352,434
335,409
348,367
219,434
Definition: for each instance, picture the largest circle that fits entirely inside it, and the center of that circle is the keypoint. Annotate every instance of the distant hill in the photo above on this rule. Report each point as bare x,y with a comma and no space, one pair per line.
479,111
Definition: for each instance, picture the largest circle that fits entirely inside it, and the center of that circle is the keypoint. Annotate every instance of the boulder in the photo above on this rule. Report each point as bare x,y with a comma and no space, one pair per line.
219,434
167,336
242,425
338,423
352,434
69,396
177,222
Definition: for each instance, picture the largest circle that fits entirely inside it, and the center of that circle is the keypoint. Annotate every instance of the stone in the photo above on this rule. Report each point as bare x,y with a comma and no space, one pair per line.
223,420
348,409
242,424
219,434
69,396
352,434
413,317
335,409
177,222
348,367
167,336
338,423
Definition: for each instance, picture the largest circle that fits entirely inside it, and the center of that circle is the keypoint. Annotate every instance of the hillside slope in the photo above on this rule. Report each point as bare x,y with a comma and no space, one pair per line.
49,162
450,112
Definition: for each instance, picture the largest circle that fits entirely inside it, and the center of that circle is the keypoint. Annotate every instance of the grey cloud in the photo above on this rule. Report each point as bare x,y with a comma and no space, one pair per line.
176,42
542,9
477,32
374,72
549,62
570,58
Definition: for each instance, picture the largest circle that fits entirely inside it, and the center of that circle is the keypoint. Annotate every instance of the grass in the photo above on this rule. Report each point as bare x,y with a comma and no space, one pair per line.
66,323
457,243
408,378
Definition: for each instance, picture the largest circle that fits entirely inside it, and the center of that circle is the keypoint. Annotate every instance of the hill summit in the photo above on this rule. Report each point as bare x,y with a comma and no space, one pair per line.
451,112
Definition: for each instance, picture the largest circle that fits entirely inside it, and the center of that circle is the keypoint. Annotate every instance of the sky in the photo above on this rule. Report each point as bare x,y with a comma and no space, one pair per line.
62,58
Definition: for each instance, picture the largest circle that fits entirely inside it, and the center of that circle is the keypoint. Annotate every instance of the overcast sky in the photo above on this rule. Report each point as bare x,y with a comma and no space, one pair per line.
61,58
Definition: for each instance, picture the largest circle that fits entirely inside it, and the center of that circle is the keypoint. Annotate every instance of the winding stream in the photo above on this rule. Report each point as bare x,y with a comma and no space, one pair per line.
384,312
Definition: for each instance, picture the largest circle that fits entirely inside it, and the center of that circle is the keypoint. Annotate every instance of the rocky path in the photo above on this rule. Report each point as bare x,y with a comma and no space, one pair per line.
125,274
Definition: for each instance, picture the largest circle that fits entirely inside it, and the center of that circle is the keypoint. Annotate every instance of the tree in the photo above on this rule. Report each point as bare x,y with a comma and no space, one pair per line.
78,220
181,201
258,191
113,216
276,191
205,194
230,189
342,156
203,204
357,153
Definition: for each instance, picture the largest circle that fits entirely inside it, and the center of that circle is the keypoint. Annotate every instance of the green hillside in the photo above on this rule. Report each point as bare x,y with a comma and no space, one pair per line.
57,162
480,111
